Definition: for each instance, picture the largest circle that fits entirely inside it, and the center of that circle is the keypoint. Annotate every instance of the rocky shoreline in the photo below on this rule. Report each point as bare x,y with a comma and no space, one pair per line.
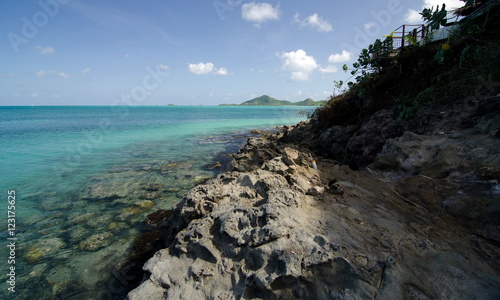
386,211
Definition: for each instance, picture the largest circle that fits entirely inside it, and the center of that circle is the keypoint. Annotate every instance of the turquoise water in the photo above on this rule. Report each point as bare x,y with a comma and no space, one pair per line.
86,177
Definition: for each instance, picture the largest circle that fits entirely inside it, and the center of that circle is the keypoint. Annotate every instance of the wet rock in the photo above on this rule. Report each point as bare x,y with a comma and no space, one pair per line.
96,242
172,190
201,179
38,270
101,191
214,166
158,218
79,218
151,195
78,233
153,187
99,220
42,248
175,165
138,207
55,203
60,279
117,226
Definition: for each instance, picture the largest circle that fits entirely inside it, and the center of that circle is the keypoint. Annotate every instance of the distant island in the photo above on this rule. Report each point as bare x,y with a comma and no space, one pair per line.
265,100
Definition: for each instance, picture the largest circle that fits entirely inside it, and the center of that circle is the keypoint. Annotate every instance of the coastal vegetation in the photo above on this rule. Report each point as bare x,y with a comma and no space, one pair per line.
266,100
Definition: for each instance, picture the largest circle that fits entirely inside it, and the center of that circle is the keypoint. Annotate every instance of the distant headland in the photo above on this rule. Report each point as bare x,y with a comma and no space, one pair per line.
265,100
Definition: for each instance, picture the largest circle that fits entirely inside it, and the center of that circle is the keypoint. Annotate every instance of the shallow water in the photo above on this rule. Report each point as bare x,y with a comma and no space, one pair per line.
86,177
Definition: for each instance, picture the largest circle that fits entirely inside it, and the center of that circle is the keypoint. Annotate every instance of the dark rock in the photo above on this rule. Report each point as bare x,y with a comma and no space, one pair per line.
158,218
362,148
153,187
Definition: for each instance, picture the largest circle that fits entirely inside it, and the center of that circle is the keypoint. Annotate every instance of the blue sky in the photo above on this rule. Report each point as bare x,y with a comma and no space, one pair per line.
152,52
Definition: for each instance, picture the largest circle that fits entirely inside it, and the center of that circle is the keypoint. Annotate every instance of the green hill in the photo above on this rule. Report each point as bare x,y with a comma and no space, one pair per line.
265,100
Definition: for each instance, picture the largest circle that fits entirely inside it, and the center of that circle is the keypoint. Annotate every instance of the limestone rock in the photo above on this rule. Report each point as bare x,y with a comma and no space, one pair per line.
275,228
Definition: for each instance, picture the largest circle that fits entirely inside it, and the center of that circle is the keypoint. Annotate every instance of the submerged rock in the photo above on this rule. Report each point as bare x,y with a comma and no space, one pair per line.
157,219
96,241
102,191
43,247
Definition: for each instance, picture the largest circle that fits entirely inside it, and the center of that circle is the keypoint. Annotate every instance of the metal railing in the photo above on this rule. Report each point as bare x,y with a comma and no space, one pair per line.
408,35
403,36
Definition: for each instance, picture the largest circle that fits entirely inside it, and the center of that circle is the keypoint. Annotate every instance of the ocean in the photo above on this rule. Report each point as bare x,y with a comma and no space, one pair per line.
77,183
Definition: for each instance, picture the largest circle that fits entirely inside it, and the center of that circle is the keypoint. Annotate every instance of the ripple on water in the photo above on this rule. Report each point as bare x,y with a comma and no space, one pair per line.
76,236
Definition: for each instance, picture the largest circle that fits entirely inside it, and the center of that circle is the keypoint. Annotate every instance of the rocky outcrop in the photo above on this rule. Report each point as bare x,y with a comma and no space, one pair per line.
410,226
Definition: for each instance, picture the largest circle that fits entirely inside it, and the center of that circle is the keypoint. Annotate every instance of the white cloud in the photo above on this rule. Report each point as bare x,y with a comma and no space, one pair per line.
414,17
259,12
314,21
299,64
299,76
206,68
41,74
340,57
86,71
318,23
329,69
126,55
45,50
164,67
63,75
450,4
368,26
221,71
34,95
201,68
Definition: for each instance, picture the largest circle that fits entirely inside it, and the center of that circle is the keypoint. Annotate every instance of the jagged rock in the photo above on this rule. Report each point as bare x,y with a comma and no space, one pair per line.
275,228
369,139
315,191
